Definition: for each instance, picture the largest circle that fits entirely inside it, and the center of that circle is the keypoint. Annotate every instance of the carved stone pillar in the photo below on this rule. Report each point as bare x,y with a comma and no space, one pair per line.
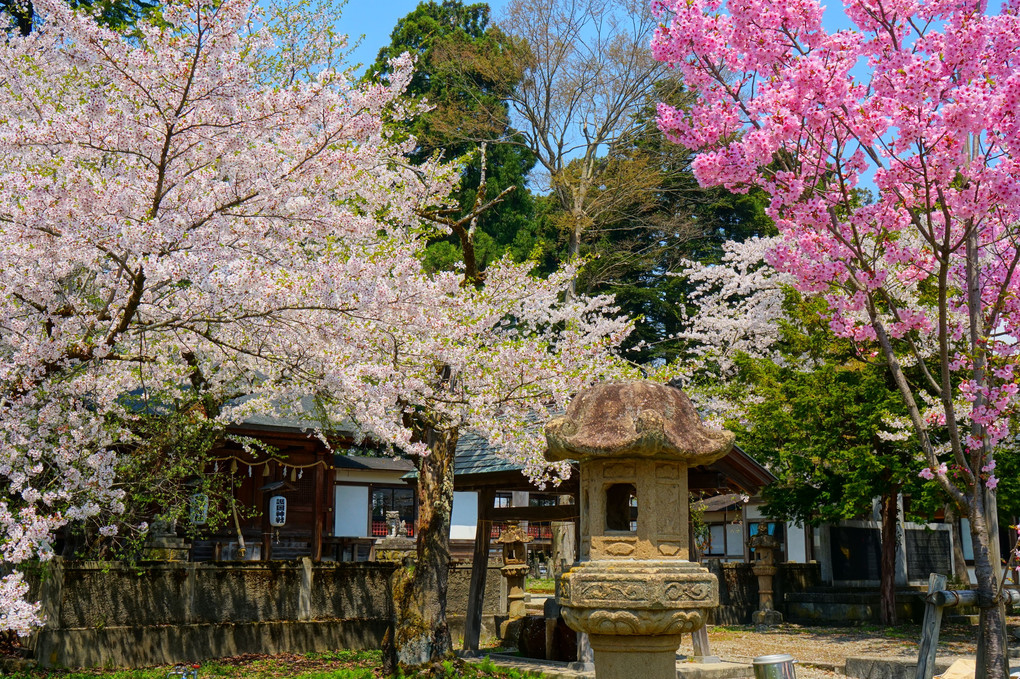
634,592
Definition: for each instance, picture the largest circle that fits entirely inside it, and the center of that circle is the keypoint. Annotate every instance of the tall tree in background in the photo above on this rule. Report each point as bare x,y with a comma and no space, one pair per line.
932,262
585,71
464,73
645,245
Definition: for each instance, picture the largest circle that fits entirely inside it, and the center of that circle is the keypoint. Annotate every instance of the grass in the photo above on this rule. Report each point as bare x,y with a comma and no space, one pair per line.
329,665
541,585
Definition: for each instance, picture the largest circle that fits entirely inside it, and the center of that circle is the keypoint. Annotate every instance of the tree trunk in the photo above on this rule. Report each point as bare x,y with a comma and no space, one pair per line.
887,588
992,630
960,573
422,635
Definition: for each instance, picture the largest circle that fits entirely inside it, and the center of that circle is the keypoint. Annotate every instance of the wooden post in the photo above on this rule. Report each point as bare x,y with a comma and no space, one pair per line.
479,567
700,639
318,509
930,628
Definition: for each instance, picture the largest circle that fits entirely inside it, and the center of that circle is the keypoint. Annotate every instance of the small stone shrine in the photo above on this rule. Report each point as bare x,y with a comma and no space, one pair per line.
515,566
634,592
765,546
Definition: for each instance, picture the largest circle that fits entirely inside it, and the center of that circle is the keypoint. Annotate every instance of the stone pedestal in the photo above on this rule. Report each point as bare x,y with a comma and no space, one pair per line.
514,575
637,610
767,618
628,657
764,568
634,592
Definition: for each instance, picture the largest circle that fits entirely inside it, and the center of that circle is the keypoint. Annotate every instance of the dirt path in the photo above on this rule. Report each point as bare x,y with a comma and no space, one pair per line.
816,649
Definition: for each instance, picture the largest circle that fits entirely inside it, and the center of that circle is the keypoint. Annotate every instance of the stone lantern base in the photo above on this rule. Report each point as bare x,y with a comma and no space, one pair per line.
636,611
618,656
768,618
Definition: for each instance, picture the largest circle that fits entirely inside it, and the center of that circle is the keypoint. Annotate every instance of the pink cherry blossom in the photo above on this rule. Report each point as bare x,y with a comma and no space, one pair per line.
918,103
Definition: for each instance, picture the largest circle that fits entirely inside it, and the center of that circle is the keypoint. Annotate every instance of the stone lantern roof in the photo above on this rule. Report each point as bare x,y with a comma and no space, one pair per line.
634,419
513,533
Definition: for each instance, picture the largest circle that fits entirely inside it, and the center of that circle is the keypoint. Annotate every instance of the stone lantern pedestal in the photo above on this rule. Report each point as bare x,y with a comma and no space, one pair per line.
634,592
765,546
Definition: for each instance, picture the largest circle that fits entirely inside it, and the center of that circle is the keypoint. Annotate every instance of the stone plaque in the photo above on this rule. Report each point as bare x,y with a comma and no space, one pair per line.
856,553
928,551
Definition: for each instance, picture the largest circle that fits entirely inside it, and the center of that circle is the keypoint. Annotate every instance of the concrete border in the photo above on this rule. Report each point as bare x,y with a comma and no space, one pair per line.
868,667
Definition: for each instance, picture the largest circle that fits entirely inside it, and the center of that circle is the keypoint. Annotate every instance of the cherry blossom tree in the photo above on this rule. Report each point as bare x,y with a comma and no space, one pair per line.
735,306
494,351
200,210
931,126
165,223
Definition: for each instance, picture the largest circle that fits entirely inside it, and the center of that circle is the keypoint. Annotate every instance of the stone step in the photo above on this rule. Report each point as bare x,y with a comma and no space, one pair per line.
837,668
715,670
871,667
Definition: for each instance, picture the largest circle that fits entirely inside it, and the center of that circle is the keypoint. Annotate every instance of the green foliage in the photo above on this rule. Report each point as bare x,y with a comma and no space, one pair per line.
816,419
464,75
547,585
1007,470
169,463
341,664
458,71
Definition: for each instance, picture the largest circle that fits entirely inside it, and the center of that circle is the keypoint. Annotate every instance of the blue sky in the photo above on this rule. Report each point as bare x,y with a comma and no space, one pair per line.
375,20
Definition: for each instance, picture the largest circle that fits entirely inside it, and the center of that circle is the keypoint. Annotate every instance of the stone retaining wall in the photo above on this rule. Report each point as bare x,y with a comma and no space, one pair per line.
850,606
112,615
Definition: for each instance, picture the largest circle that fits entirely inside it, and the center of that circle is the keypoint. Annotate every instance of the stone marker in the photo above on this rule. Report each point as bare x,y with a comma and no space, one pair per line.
634,592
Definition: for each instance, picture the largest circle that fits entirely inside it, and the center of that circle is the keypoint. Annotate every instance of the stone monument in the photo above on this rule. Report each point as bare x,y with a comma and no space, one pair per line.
163,544
634,592
765,546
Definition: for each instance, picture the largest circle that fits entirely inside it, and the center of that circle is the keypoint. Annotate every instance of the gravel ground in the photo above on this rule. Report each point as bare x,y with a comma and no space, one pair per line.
821,652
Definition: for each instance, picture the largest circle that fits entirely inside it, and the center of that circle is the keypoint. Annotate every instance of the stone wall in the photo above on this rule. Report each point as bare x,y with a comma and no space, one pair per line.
493,601
112,615
738,588
851,606
799,595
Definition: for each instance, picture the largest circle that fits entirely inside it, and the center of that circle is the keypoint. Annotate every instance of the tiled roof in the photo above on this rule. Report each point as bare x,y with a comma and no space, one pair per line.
476,456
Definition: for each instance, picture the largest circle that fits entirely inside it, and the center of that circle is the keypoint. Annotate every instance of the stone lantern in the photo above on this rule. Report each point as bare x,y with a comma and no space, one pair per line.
634,592
765,546
515,566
